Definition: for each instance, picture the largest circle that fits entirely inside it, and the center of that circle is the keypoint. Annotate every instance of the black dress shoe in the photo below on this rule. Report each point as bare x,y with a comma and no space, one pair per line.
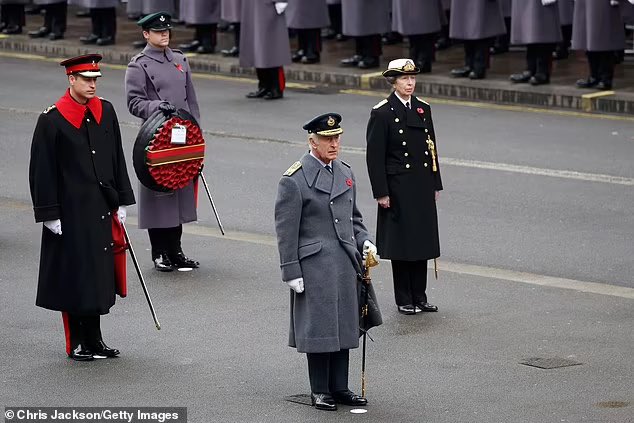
604,86
443,43
85,13
498,50
89,39
539,79
341,38
232,52
191,46
105,41
369,63
162,263
351,61
12,30
81,353
180,260
323,402
55,36
101,349
587,83
139,44
203,49
561,54
406,309
476,75
349,398
425,307
309,60
521,77
273,94
261,92
461,72
297,56
39,33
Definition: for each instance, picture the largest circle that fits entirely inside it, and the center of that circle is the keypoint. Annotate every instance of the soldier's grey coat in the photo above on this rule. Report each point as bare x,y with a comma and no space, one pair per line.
230,10
410,17
365,17
566,9
476,19
4,2
507,8
153,77
199,12
134,7
45,2
94,4
153,6
597,26
307,14
628,12
446,4
264,39
320,234
534,23
334,1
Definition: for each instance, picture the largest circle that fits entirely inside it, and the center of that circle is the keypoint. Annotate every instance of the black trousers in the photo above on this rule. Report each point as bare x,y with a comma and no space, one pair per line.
104,21
207,34
369,46
55,17
334,12
165,240
539,58
271,78
81,330
309,40
476,55
601,65
13,14
410,282
328,372
236,34
421,50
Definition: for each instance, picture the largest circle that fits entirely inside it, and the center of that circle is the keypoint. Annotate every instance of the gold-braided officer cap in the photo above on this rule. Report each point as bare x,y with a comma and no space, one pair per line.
400,67
325,125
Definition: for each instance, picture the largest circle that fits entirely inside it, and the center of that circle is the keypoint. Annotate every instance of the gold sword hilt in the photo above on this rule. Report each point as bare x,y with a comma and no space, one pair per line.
432,148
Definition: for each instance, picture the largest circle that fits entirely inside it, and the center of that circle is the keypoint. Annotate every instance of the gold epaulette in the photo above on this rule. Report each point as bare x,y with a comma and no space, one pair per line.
48,109
422,101
380,103
344,163
294,168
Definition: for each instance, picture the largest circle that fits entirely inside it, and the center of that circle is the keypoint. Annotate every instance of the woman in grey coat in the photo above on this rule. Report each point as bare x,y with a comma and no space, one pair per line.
307,17
103,16
264,45
535,24
321,238
598,30
159,78
477,23
54,20
12,17
365,20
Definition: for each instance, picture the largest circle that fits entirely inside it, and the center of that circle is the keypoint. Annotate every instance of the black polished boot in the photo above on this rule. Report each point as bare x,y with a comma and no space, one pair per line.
191,46
162,263
521,77
40,33
369,63
273,94
261,92
351,61
89,39
181,261
232,52
81,353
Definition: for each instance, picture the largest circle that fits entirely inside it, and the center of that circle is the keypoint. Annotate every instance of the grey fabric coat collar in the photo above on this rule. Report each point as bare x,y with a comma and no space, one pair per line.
158,54
318,177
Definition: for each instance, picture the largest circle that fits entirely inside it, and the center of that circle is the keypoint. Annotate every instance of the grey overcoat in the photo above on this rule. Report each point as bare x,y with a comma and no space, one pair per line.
199,12
134,7
94,4
264,39
153,6
153,77
597,26
476,19
365,17
320,234
307,14
534,23
506,6
566,9
3,2
230,10
411,17
45,2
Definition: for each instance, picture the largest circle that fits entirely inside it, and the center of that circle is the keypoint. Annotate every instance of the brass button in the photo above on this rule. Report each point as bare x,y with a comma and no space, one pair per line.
332,202
406,154
93,151
103,217
400,131
425,164
404,143
351,219
427,153
407,166
336,220
108,213
426,130
87,120
105,248
396,120
352,238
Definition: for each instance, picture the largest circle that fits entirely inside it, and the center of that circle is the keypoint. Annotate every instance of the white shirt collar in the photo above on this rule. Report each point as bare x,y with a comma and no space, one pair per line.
404,101
322,163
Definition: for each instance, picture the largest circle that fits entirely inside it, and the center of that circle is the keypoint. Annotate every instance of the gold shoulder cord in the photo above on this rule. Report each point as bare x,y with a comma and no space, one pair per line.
432,149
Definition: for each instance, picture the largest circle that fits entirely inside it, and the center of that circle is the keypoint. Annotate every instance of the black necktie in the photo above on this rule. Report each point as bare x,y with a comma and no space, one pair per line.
407,104
328,168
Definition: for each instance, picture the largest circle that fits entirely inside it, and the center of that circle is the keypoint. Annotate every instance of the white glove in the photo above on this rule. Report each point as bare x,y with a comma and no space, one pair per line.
122,213
280,7
367,247
296,285
614,2
547,2
631,1
54,226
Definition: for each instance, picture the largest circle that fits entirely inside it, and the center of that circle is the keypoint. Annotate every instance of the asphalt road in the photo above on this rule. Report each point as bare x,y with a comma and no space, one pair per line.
537,207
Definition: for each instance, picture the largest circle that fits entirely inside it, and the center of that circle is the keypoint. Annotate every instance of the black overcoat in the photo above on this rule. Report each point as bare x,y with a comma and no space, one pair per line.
78,175
400,165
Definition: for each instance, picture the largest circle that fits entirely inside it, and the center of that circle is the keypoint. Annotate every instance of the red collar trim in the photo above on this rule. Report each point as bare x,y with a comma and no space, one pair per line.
74,112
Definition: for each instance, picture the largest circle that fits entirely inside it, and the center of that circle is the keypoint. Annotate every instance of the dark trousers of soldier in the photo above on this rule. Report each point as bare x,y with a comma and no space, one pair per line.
55,17
410,282
601,65
476,55
539,59
82,330
421,50
443,38
369,46
271,79
165,240
12,18
309,45
328,372
206,34
563,47
335,15
104,22
501,42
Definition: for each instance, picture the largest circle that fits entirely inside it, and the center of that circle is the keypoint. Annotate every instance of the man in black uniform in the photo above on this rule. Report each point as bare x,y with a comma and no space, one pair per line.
80,187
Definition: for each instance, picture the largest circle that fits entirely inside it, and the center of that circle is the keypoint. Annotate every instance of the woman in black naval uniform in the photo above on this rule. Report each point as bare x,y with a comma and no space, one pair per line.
405,177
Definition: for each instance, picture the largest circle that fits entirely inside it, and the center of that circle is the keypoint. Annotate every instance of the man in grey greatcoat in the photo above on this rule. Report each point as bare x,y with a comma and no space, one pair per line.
421,22
103,17
535,24
307,17
365,20
321,238
264,45
477,23
203,16
159,78
230,12
54,20
597,29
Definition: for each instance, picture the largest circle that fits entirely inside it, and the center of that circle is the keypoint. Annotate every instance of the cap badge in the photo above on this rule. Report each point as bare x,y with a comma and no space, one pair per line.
162,18
94,64
331,121
409,66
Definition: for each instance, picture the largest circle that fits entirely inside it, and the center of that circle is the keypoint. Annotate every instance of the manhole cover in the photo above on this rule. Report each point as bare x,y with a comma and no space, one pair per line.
612,404
300,399
549,363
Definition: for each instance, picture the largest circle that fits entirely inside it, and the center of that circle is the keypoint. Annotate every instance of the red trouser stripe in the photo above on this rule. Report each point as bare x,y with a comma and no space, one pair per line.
66,331
282,78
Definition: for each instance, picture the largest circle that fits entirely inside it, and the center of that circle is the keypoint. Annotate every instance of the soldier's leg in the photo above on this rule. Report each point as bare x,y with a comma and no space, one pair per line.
159,241
318,372
175,249
58,27
426,52
469,51
262,89
94,340
372,50
358,54
338,371
562,50
480,58
276,83
95,22
312,46
402,287
74,329
108,26
543,61
301,45
605,69
207,39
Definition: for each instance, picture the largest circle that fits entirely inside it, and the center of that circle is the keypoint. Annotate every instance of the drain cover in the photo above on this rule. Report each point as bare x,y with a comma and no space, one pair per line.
300,399
549,363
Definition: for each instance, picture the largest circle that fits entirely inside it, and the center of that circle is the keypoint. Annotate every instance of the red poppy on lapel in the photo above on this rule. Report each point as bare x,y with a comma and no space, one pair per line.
420,110
179,66
349,182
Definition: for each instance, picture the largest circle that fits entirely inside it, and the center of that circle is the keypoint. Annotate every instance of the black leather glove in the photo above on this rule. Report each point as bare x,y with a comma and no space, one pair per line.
167,108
